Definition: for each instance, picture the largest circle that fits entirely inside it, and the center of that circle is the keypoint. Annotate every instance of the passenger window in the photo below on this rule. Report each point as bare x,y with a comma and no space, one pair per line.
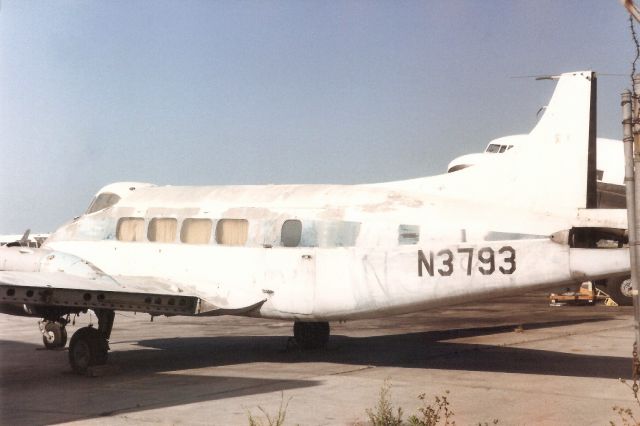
332,234
162,230
291,233
196,231
130,229
232,232
408,234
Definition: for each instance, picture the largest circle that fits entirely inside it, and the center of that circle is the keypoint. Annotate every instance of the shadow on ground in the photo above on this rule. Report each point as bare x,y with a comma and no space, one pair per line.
37,387
430,350
47,392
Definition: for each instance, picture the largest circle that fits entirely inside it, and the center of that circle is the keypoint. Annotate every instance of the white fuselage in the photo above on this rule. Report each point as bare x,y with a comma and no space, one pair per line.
363,251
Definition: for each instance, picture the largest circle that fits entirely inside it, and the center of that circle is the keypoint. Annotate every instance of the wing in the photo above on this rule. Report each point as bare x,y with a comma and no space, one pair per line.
138,294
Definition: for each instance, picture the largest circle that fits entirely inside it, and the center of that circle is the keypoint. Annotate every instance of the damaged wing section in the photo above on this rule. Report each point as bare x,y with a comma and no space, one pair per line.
54,279
63,290
58,289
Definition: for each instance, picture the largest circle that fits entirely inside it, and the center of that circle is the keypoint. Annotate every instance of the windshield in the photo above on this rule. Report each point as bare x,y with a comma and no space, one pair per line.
102,201
493,148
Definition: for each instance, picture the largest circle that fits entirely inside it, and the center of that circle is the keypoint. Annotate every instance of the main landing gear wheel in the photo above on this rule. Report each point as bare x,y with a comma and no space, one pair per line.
88,348
54,335
620,290
311,335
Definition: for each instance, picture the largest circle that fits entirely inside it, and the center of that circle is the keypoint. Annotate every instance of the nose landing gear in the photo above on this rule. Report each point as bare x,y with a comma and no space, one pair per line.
54,333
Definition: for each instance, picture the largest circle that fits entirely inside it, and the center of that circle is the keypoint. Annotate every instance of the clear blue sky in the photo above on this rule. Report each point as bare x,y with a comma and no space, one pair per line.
222,92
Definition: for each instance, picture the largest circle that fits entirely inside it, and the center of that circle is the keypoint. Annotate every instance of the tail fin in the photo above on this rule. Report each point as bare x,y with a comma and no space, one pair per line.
554,169
569,125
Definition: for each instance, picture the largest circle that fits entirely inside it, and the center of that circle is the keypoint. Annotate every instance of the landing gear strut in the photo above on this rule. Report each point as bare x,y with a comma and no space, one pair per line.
89,347
54,334
311,335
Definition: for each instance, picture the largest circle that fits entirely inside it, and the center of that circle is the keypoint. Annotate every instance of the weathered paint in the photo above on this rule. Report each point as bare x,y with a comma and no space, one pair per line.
483,232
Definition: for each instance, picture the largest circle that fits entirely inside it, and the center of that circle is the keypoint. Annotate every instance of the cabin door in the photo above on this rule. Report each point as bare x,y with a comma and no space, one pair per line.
291,275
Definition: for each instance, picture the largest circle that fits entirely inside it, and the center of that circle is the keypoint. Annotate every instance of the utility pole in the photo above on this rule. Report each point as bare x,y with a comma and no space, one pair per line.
630,161
635,211
631,139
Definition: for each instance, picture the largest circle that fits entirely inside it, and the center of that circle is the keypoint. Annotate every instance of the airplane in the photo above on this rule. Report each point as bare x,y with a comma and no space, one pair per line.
314,254
25,240
609,167
610,189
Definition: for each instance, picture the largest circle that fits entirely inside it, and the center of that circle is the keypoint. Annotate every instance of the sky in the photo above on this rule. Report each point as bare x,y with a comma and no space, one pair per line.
257,92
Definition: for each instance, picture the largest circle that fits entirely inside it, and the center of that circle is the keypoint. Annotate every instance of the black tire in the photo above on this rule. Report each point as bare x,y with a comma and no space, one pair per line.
88,348
55,337
311,335
619,290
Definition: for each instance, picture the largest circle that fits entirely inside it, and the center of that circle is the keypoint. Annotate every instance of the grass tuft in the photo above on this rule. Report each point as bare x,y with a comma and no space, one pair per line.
625,413
268,420
383,413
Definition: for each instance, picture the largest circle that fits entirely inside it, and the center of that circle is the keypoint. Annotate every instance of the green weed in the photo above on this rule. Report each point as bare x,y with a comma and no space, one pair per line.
268,420
383,413
436,413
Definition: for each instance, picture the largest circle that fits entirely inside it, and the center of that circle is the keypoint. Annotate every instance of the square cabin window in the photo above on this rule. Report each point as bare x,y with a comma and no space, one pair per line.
162,230
232,232
196,231
408,234
130,229
291,233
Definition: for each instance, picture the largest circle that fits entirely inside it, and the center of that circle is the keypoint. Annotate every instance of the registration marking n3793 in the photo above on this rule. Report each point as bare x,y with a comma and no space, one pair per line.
488,262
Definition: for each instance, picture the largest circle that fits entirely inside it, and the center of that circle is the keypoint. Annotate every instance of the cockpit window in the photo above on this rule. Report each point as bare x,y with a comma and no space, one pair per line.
503,148
103,201
493,148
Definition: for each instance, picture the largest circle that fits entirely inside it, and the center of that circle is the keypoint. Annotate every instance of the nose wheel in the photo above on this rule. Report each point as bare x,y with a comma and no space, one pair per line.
54,334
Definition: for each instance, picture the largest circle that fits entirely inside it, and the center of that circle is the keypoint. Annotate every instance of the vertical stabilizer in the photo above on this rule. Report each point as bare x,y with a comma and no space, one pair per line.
555,168
569,123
